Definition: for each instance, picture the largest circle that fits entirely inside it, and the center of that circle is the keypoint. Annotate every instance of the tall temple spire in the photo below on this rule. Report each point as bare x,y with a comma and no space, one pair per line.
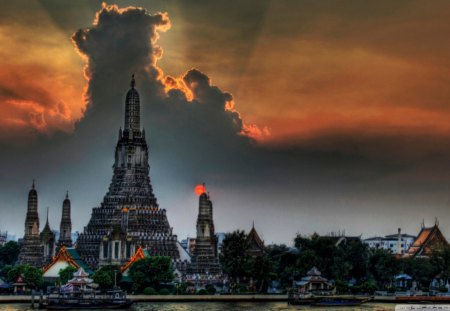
132,109
205,259
65,235
47,237
133,82
129,214
31,250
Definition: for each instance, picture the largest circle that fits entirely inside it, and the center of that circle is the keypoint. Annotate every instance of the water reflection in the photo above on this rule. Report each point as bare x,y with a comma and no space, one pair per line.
222,306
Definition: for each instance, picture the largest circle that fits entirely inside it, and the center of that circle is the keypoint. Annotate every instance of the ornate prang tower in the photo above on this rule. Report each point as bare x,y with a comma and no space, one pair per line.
129,214
31,249
65,229
204,259
48,242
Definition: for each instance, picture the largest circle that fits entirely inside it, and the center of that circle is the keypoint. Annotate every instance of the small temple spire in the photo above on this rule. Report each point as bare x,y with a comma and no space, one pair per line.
132,109
133,82
47,215
32,186
67,194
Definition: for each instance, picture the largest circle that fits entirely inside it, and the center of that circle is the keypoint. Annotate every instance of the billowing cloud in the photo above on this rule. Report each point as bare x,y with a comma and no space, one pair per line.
354,126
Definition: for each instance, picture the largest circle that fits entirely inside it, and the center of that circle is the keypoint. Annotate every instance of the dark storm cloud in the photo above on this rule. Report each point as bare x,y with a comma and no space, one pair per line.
122,41
340,180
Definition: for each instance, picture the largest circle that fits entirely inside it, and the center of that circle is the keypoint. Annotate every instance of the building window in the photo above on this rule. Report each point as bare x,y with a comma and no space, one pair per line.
128,249
105,250
116,250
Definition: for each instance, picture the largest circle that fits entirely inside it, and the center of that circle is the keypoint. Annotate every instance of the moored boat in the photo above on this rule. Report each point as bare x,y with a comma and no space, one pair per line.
80,293
339,302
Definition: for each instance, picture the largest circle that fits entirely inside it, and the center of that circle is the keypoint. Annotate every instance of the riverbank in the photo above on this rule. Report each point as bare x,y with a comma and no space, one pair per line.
194,298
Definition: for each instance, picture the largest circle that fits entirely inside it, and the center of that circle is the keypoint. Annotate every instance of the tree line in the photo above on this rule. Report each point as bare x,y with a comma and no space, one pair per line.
352,265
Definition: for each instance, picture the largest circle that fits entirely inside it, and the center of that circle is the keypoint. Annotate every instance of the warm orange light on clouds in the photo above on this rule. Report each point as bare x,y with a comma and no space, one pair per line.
40,81
304,72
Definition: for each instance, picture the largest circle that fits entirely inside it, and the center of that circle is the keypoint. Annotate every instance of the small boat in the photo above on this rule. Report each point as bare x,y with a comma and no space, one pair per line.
115,299
338,302
80,293
326,301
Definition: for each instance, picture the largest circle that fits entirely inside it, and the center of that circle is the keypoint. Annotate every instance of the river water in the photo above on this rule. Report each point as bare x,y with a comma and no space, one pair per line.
224,306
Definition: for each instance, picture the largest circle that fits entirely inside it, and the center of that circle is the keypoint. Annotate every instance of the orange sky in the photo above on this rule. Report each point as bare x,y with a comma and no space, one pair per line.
360,80
307,72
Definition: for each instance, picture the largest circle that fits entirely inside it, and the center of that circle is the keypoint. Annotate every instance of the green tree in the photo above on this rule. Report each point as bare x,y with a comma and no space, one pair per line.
420,269
383,266
31,275
152,272
284,261
104,277
234,258
66,274
440,259
9,253
318,251
262,272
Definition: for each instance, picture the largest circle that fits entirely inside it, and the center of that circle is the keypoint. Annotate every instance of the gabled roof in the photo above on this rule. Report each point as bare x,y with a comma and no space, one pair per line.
254,240
71,256
138,255
427,238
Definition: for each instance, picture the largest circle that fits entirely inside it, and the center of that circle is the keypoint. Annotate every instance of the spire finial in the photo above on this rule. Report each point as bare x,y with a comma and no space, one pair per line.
47,214
32,186
133,82
253,224
67,194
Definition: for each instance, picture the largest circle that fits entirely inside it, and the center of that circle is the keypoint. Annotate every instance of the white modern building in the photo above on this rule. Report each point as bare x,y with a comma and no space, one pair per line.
396,243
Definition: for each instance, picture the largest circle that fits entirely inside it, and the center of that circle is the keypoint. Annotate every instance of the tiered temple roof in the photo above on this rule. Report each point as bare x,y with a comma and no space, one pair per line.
256,244
64,258
427,239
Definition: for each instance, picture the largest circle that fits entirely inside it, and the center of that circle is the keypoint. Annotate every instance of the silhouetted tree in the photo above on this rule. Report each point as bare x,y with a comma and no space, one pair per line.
234,258
151,272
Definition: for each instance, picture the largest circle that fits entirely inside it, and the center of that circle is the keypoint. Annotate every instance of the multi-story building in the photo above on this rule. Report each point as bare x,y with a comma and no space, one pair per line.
396,243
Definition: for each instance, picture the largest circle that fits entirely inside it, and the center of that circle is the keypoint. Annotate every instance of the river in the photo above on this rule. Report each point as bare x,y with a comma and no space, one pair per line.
224,306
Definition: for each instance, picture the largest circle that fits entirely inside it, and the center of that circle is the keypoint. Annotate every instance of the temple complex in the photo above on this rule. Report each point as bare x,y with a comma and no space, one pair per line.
31,251
65,232
205,259
129,215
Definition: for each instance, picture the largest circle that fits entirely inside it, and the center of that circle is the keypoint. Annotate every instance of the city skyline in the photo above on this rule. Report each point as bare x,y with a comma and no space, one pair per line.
300,126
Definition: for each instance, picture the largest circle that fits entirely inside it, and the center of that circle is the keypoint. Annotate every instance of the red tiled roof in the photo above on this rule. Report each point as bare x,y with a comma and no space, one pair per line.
426,237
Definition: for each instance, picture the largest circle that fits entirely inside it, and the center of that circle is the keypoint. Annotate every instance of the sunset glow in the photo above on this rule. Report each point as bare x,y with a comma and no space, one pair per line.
200,189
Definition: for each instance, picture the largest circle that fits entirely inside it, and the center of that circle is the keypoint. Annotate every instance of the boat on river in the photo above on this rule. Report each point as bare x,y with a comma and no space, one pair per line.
327,301
81,293
339,302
